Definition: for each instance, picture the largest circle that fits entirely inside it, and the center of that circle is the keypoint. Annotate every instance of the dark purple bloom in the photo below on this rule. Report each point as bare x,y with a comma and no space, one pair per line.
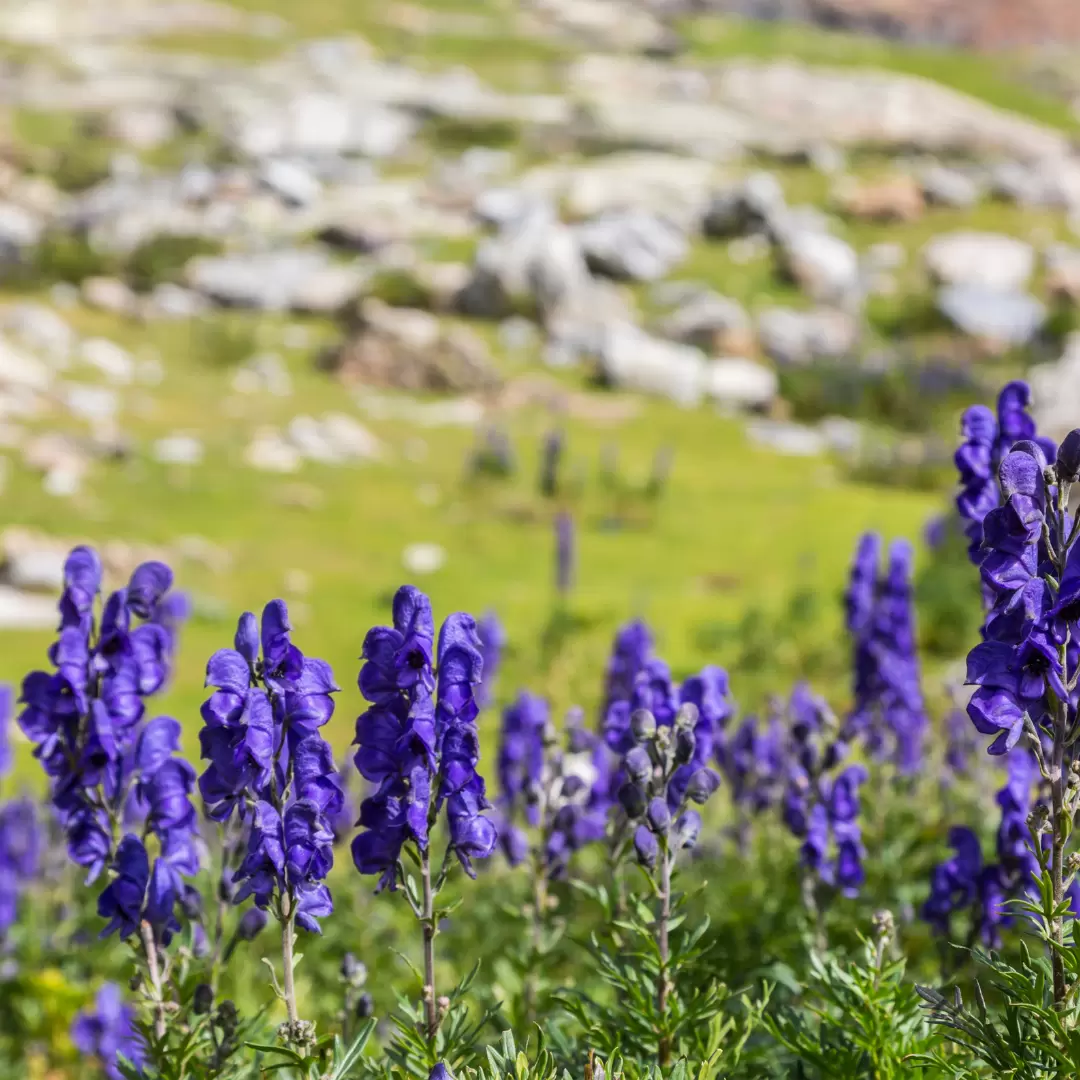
492,642
418,745
954,884
6,709
122,901
521,754
646,846
108,1031
20,852
440,1072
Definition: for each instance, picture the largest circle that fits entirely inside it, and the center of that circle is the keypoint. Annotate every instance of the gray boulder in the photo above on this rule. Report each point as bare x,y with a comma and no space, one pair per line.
740,383
942,186
632,245
1002,319
991,260
631,359
824,267
800,337
746,209
711,322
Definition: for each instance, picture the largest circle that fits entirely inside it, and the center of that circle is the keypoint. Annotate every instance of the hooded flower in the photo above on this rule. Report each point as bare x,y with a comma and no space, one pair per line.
108,1031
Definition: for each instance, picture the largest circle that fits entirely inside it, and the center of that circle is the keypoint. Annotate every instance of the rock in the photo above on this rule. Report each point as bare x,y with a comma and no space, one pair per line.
115,363
108,294
268,451
22,370
824,267
40,329
351,440
795,440
842,435
897,199
328,290
713,323
632,245
409,349
799,337
1000,319
989,260
306,434
423,558
178,449
884,256
1055,390
942,186
745,210
631,359
1063,274
740,383
537,262
32,568
142,127
504,206
20,229
290,181
171,301
264,373
21,611
95,404
517,334
271,281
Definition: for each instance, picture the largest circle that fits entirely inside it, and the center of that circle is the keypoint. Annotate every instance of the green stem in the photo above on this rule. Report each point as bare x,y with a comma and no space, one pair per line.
663,945
288,930
431,1010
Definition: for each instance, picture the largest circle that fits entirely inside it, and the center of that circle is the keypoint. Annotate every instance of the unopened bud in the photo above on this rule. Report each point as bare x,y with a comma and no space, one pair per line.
685,744
1038,821
884,925
203,999
642,724
687,717
365,1006
632,800
443,1004
1067,465
1072,862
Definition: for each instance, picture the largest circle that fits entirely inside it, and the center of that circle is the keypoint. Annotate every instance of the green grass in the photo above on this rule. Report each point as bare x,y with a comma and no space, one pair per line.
737,529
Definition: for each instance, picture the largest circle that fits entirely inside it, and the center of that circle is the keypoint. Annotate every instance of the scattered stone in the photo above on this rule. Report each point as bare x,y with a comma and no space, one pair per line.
178,449
264,373
517,334
715,324
794,440
989,260
898,199
799,337
884,256
96,404
1055,390
171,301
824,267
632,245
631,359
142,127
108,294
459,412
747,209
1063,274
114,362
423,558
942,186
291,181
40,329
21,370
411,350
21,611
269,451
999,319
20,229
740,383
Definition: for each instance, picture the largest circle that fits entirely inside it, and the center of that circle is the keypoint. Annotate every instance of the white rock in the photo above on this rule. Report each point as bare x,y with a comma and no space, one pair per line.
740,383
423,558
633,359
350,438
21,611
19,228
34,569
307,435
795,440
20,369
108,294
178,449
825,267
291,181
1004,318
94,403
63,481
114,362
988,260
40,329
269,452
633,245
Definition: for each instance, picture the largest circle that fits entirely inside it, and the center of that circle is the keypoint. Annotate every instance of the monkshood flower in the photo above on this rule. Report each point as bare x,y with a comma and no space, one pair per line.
565,553
20,855
632,649
418,743
492,643
837,815
709,693
652,689
7,702
85,719
421,749
108,1031
954,883
753,763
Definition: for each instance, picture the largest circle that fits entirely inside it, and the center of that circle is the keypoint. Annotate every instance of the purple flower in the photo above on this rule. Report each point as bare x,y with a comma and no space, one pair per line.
954,884
268,761
6,709
20,852
418,739
108,1031
521,754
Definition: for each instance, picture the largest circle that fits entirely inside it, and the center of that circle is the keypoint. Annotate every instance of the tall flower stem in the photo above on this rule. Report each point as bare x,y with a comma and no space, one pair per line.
431,1010
1059,826
288,928
536,939
146,933
663,946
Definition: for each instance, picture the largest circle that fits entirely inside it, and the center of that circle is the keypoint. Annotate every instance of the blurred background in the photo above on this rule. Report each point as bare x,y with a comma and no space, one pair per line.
567,310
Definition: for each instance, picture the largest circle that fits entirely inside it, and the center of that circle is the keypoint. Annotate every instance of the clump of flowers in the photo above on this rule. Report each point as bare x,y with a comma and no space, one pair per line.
20,833
106,767
108,1031
492,636
269,765
418,742
880,613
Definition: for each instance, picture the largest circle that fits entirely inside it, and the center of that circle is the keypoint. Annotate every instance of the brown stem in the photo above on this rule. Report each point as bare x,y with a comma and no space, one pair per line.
146,932
287,933
664,1047
431,1010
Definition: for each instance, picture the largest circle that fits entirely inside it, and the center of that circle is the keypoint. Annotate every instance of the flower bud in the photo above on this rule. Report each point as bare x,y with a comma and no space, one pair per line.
685,745
353,970
252,924
1067,466
642,724
688,829
646,847
365,1006
191,903
687,717
632,800
203,999
638,765
658,816
884,925
572,786
440,1072
702,785
227,1017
